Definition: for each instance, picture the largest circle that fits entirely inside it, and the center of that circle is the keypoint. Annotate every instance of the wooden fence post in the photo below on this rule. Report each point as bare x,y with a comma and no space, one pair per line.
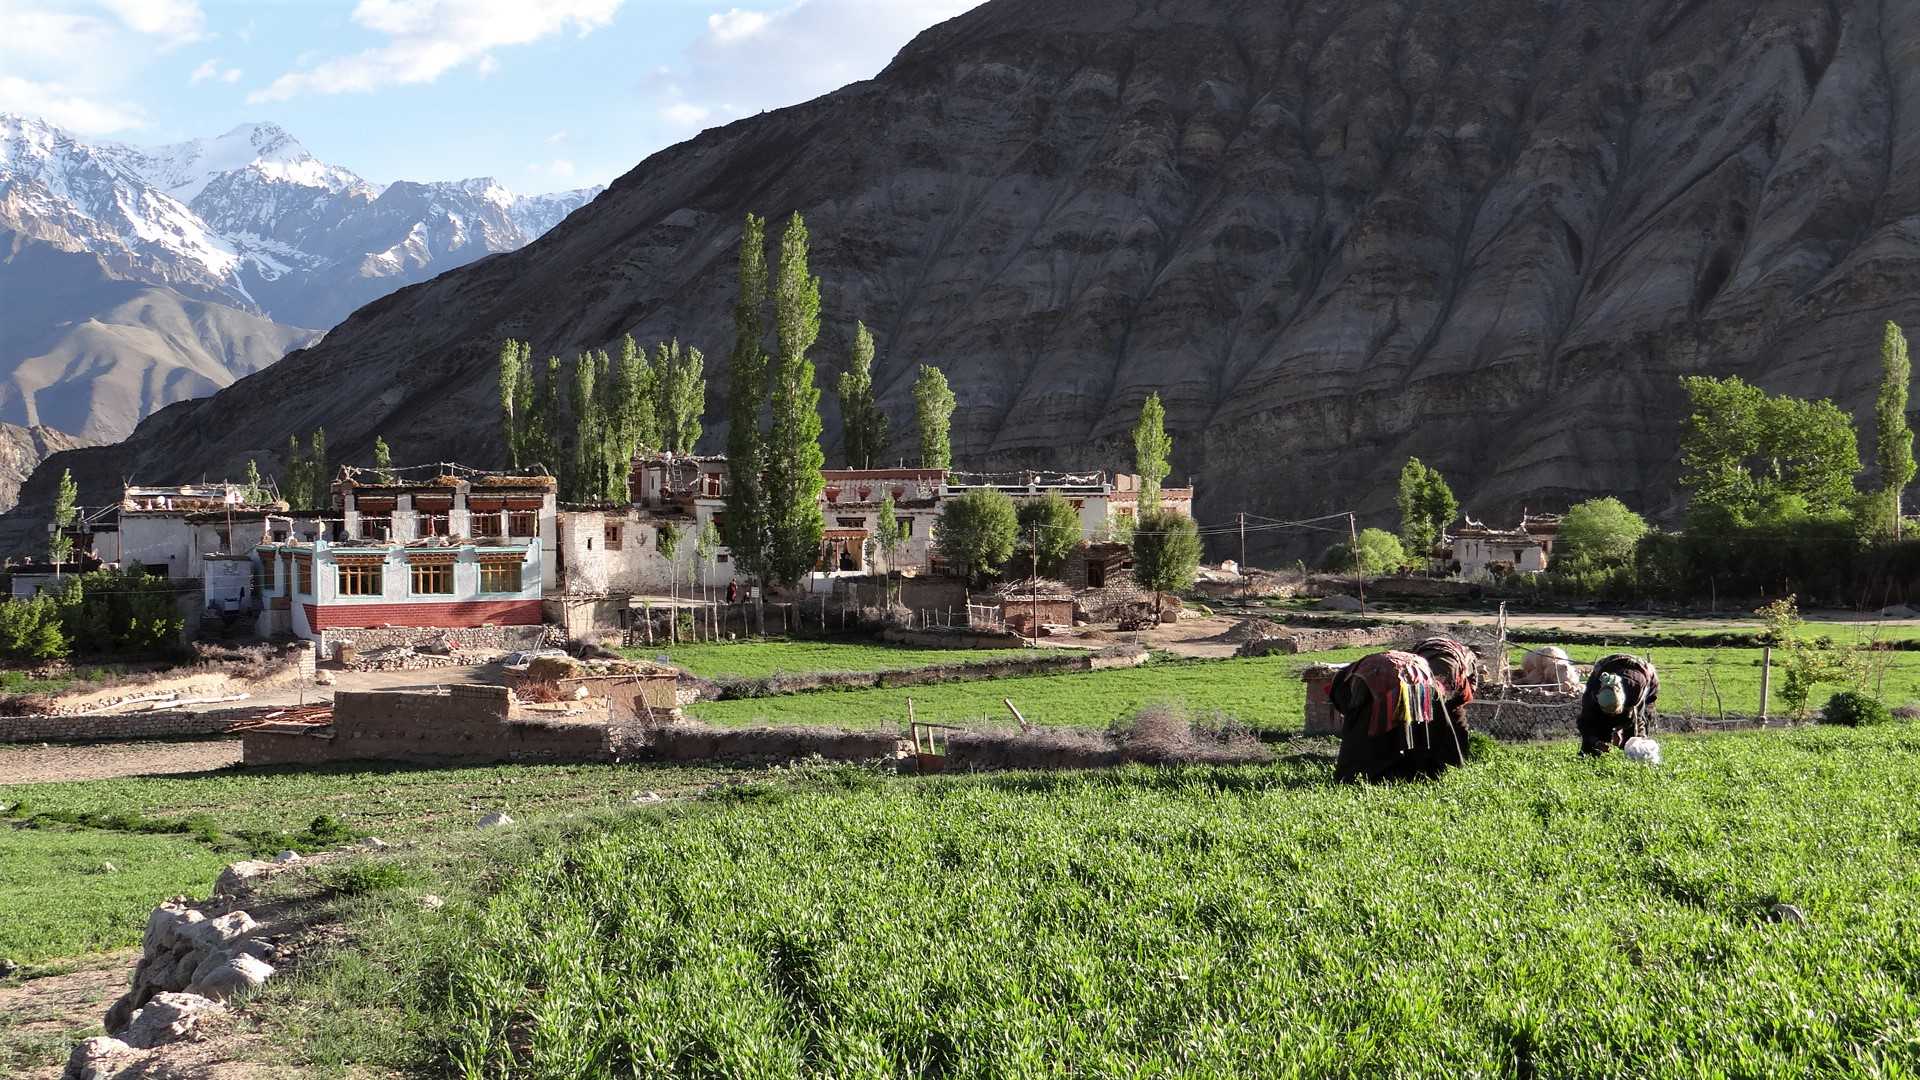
1766,678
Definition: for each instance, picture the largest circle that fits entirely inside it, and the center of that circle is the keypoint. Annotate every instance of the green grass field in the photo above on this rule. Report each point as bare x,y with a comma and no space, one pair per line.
1264,693
59,901
1537,914
759,659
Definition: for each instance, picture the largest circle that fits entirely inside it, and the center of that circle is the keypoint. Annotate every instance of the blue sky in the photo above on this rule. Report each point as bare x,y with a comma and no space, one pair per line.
541,94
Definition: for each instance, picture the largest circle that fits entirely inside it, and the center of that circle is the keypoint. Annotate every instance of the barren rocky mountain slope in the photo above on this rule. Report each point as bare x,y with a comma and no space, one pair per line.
1331,233
23,448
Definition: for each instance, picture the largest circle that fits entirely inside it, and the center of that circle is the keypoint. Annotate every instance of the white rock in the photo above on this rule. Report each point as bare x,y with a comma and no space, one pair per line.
237,974
168,1018
109,868
286,857
374,842
95,1058
1643,750
323,678
1339,602
214,934
237,878
430,902
494,820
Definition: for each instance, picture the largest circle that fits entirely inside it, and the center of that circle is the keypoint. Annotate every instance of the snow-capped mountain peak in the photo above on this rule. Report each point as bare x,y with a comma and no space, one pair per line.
251,218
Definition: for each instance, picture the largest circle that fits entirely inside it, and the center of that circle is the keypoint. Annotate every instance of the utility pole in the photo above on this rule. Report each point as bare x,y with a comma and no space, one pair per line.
1360,572
1243,541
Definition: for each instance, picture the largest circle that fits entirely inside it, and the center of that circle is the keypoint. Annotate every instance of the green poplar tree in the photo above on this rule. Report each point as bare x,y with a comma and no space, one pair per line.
382,461
256,492
681,396
747,520
794,458
933,405
297,488
65,510
589,459
1152,451
863,425
513,367
1893,438
318,480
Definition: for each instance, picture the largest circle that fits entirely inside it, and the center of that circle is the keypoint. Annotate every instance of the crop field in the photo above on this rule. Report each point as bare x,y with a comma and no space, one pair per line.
1533,914
172,834
762,658
1264,693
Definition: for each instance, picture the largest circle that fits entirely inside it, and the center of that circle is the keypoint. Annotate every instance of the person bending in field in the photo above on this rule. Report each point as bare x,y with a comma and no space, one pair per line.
1618,703
1397,726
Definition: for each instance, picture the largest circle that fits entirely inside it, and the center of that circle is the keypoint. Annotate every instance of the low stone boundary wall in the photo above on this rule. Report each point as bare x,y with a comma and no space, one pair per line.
952,639
141,725
1052,664
698,742
1291,642
463,638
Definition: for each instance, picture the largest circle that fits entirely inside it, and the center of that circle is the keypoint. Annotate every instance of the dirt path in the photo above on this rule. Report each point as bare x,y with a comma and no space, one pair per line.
27,763
41,1019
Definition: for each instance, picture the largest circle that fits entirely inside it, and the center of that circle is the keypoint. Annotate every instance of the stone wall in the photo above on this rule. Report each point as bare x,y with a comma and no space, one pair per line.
1290,642
465,638
141,725
459,725
1044,663
952,639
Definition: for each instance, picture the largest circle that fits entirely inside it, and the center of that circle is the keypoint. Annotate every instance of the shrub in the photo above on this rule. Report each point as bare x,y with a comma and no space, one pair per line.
1850,708
363,876
1481,746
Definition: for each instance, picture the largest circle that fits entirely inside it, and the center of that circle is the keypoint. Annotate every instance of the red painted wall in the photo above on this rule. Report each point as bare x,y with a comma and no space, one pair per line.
467,613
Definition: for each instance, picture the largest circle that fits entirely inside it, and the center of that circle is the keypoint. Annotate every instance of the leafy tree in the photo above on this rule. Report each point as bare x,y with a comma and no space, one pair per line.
382,461
1427,507
1743,450
888,537
1051,525
319,478
933,405
1893,436
296,489
30,630
976,531
748,526
794,458
255,492
1166,552
682,396
1374,552
1152,451
862,423
706,546
514,360
626,409
60,545
1600,532
1804,664
586,480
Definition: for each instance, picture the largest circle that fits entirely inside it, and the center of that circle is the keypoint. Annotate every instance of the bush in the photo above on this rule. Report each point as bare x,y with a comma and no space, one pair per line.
1481,746
364,876
1850,708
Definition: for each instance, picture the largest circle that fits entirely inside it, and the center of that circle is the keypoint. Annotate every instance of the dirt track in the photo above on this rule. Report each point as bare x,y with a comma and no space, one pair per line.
28,763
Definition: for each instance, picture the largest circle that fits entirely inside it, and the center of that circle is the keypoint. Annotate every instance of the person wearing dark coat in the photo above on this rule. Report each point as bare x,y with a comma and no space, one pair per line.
1618,703
1396,726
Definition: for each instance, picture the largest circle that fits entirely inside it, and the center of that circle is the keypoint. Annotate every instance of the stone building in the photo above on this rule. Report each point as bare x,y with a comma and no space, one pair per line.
1526,548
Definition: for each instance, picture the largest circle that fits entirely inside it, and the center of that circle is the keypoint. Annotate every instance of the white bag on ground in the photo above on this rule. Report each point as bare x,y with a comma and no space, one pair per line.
1640,748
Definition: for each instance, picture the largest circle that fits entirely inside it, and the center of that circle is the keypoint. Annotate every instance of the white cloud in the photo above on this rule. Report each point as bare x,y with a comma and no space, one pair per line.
685,114
735,25
752,59
64,107
211,69
556,138
428,38
175,21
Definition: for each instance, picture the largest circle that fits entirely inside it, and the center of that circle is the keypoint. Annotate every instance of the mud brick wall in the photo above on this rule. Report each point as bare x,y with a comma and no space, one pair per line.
696,742
276,748
1046,663
145,725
